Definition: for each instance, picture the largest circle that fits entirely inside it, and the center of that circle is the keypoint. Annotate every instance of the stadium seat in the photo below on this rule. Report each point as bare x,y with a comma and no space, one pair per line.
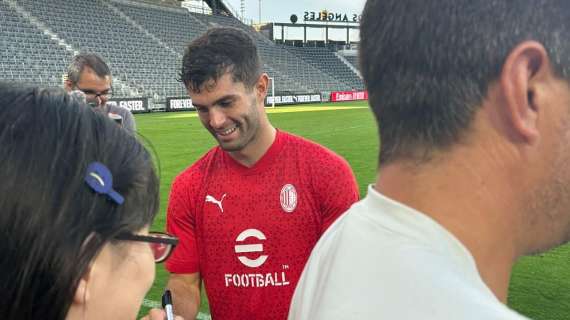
144,44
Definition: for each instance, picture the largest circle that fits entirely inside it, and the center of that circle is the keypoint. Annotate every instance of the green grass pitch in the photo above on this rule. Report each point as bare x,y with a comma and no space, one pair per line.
540,286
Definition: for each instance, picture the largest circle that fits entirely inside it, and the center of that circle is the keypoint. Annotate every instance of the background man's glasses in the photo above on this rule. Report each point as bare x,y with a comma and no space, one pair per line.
160,243
92,94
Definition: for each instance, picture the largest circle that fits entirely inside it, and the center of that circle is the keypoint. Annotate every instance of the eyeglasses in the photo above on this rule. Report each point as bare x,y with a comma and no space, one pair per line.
160,243
92,94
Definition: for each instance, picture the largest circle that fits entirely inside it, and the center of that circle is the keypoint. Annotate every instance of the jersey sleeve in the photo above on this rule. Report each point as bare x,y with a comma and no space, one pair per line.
180,222
335,187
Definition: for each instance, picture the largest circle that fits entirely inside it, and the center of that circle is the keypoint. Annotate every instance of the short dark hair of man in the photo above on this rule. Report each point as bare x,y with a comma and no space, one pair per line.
218,51
428,64
91,60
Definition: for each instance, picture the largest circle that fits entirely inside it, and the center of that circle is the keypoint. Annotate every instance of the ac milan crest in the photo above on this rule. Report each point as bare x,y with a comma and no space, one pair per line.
288,198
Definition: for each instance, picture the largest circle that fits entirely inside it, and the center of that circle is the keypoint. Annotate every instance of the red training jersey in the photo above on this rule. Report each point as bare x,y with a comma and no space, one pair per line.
249,231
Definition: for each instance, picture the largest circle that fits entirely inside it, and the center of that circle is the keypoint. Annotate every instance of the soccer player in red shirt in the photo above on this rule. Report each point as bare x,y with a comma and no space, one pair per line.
249,212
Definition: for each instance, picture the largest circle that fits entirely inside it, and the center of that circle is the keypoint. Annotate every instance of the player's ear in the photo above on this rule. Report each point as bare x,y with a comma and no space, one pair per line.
262,85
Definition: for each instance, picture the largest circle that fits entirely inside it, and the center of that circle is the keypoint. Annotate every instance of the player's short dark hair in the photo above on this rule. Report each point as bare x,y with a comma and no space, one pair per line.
91,60
218,51
52,224
428,64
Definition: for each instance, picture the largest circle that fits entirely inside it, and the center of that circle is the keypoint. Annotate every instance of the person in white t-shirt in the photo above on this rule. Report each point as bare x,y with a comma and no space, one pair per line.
473,105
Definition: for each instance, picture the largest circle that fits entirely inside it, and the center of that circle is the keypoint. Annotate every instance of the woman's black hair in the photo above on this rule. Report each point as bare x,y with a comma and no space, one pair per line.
52,224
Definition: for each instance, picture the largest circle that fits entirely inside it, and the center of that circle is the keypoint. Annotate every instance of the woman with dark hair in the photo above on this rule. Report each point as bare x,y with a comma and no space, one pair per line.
77,198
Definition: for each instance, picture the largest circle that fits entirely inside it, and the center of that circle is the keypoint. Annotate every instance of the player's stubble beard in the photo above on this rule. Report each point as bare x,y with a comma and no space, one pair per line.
548,209
248,125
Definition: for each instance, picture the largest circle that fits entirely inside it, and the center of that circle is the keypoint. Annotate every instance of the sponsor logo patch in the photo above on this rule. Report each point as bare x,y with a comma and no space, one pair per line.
249,248
260,279
213,200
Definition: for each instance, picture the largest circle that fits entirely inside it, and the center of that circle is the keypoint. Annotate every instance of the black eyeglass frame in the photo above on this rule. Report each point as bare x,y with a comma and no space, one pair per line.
160,237
94,94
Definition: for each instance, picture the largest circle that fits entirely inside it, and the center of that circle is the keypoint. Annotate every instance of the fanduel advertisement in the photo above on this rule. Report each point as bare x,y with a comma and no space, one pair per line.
337,96
293,99
179,104
135,105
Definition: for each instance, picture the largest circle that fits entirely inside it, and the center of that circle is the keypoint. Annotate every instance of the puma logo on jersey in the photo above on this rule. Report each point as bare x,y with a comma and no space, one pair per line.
213,200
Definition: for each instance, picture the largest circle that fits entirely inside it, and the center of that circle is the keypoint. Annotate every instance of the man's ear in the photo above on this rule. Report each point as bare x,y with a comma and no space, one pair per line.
68,85
526,68
262,85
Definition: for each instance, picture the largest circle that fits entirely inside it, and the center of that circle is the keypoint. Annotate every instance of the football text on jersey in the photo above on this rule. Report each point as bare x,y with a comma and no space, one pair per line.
254,280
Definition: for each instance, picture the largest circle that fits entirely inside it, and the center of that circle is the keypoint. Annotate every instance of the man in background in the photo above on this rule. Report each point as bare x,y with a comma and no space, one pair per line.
250,210
88,73
473,105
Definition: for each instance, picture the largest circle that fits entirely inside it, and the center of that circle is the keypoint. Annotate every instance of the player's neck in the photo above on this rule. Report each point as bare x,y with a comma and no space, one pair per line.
478,219
257,148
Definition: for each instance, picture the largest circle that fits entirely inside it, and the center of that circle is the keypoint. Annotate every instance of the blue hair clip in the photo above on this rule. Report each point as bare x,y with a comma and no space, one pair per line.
100,179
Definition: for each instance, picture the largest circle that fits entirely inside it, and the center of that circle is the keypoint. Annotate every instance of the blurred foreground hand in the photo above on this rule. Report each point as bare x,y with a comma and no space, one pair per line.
158,314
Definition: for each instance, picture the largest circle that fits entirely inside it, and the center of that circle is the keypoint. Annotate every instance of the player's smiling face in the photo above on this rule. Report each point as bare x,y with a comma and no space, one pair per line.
229,111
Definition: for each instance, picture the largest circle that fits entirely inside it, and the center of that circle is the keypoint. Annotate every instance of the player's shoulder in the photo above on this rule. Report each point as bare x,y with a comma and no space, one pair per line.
197,170
311,150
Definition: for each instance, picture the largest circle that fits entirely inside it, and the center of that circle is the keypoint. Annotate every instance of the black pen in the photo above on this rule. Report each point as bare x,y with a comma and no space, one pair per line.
167,305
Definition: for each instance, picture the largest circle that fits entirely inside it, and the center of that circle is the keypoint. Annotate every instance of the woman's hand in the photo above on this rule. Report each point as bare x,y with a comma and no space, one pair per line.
158,314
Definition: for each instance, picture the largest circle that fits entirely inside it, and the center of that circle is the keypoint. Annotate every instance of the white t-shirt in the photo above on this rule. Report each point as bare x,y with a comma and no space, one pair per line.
383,260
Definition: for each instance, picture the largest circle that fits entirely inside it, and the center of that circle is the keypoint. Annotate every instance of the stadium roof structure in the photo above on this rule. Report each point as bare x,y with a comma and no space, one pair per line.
219,7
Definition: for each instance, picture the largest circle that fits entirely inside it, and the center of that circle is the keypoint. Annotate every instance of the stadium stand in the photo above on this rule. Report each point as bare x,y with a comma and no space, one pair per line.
174,27
327,62
26,54
145,67
143,44
353,60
